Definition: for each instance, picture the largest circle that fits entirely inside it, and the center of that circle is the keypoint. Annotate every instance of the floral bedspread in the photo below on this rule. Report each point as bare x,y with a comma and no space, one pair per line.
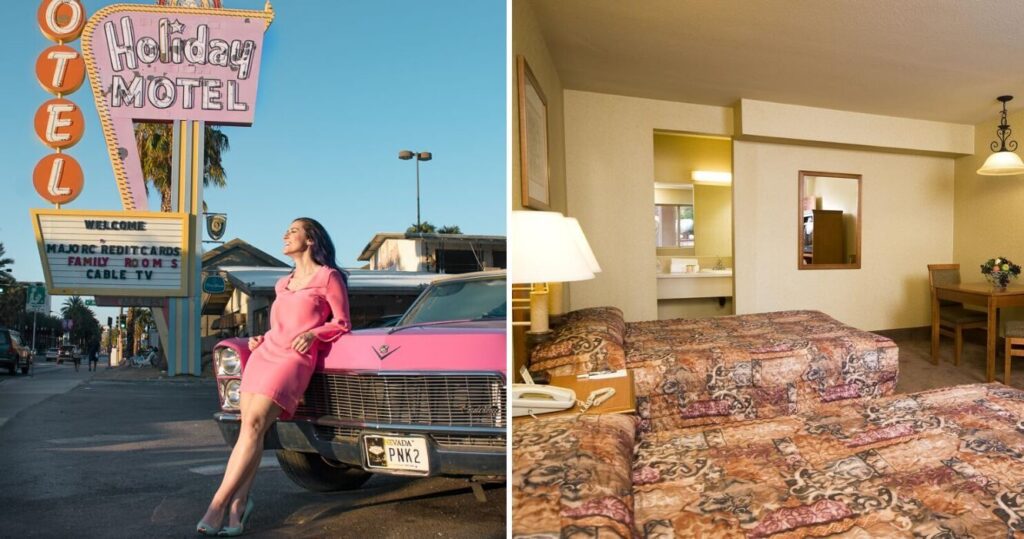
571,476
945,463
693,372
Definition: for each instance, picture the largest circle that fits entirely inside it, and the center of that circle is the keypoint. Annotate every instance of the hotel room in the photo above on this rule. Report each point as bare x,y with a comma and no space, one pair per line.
819,428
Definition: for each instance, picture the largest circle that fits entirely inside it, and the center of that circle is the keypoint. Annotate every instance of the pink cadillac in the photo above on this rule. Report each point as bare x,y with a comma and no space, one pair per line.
425,397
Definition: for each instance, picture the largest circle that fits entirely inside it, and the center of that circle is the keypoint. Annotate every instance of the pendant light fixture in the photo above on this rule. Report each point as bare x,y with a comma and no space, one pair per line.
1003,162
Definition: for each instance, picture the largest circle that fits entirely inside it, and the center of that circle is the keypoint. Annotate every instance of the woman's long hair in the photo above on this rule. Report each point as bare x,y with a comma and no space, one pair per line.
322,249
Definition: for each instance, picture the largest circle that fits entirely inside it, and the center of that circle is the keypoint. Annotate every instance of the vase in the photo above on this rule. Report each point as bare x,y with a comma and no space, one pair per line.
999,281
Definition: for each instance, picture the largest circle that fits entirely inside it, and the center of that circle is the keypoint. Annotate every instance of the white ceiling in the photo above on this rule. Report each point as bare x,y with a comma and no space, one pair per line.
943,60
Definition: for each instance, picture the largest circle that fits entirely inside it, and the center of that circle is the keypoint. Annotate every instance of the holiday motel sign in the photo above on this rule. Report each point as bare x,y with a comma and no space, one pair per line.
146,63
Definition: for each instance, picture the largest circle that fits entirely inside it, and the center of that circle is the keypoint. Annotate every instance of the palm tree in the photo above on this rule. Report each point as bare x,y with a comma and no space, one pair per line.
73,305
449,229
155,149
142,319
6,277
424,228
86,328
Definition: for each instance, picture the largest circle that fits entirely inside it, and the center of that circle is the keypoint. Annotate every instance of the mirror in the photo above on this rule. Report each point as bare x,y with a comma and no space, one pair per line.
674,225
828,226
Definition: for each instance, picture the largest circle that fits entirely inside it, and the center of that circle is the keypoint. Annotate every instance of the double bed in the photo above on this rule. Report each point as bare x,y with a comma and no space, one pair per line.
770,425
714,370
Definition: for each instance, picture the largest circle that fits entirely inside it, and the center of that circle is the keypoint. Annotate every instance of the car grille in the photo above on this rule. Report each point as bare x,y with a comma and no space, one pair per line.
449,400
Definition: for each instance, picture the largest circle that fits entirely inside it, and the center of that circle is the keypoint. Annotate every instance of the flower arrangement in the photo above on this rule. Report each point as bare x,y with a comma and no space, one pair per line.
999,270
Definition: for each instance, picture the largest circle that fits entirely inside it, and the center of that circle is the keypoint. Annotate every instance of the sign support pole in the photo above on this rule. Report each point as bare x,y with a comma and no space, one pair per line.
183,315
34,315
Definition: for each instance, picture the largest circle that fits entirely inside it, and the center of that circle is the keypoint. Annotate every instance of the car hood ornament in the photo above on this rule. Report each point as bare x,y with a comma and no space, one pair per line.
384,351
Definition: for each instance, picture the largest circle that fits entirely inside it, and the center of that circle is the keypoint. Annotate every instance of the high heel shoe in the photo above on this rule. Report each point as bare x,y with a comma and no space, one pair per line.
203,528
234,531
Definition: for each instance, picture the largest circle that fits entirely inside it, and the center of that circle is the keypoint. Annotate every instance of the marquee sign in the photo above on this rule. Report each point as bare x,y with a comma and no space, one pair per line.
113,253
156,63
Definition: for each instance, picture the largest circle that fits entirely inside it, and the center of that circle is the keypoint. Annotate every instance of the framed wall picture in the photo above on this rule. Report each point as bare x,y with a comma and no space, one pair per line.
533,139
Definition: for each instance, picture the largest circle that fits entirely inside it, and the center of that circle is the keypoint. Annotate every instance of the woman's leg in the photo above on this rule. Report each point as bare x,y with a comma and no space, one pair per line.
258,413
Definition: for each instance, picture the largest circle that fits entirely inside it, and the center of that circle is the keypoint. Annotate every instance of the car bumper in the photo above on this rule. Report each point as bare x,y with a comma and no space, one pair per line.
301,436
8,362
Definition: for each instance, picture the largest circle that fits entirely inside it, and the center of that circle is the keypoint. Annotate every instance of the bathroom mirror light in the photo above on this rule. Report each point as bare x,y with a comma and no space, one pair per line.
706,176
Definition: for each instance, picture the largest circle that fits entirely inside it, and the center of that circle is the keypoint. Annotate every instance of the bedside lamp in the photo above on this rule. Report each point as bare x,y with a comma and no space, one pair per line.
546,247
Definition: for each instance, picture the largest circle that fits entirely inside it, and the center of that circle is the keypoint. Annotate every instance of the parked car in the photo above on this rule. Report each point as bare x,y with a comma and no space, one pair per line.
65,352
425,397
51,354
13,354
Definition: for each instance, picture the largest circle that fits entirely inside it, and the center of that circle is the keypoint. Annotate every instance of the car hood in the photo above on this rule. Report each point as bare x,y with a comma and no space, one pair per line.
479,347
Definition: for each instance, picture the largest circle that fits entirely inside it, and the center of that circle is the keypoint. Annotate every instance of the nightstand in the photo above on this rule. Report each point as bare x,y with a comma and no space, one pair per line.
622,402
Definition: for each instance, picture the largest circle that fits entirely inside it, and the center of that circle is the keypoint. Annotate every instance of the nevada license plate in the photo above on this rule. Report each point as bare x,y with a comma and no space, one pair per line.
403,453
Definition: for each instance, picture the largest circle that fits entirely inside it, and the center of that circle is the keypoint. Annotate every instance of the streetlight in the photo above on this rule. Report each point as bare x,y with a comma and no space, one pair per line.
406,155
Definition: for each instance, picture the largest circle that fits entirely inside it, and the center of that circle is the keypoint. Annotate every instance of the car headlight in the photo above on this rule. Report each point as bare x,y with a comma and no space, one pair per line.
229,393
228,362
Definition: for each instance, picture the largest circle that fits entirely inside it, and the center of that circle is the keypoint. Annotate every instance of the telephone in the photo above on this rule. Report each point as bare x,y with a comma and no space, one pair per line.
532,399
597,398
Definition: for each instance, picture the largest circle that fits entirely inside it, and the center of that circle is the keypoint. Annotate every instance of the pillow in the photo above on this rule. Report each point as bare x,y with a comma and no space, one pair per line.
587,340
606,319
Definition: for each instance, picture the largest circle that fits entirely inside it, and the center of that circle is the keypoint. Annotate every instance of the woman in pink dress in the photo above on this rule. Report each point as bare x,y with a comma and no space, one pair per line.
311,308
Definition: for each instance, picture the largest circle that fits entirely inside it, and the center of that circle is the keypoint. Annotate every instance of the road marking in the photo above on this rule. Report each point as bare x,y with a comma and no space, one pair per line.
218,469
104,439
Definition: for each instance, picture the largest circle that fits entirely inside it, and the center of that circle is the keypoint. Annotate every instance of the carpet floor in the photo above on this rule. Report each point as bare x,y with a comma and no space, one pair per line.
918,373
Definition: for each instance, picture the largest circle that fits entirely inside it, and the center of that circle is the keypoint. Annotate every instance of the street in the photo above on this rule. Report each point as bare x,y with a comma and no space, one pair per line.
89,455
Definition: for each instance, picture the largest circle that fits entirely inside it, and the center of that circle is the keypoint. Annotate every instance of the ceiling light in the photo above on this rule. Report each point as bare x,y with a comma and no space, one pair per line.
705,176
1003,162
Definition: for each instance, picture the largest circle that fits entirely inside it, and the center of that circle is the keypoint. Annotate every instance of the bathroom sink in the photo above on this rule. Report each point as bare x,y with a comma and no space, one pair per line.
726,271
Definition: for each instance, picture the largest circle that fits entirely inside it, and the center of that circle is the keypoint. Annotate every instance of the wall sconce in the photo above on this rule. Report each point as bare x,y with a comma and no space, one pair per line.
1003,162
545,247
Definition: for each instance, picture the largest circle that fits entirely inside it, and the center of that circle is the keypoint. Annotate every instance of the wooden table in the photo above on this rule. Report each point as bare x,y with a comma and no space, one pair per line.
981,294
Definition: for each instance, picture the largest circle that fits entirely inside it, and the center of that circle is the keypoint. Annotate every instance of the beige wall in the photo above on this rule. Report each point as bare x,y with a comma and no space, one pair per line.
908,223
712,220
672,196
794,123
609,163
676,157
528,41
908,210
987,207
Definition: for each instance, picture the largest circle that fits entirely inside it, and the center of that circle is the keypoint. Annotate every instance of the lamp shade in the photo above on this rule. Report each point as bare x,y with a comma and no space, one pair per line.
581,239
1002,164
543,249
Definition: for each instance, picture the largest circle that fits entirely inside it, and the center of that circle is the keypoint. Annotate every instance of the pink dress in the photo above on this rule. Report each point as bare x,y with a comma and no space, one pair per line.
277,370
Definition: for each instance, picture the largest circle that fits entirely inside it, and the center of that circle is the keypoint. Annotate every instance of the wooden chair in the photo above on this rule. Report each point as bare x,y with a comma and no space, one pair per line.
1014,337
953,317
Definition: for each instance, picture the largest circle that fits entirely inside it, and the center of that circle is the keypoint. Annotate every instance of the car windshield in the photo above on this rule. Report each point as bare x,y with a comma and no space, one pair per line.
480,299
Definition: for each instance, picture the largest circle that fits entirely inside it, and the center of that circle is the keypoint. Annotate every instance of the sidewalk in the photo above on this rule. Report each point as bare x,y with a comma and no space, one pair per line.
131,374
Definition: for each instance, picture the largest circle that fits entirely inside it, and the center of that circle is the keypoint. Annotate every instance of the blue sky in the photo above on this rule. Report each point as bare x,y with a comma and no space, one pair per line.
344,85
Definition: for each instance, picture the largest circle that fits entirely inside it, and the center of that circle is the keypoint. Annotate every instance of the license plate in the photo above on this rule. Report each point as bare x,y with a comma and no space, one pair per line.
404,453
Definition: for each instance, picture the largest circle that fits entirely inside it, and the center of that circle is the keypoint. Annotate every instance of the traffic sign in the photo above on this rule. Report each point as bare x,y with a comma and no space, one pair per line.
36,299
